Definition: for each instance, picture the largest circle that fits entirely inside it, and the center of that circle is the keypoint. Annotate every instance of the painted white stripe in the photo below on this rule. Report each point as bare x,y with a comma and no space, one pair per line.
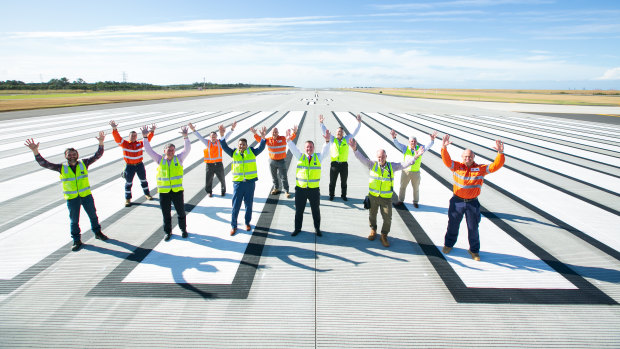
491,272
40,177
34,239
210,255
558,204
584,174
547,135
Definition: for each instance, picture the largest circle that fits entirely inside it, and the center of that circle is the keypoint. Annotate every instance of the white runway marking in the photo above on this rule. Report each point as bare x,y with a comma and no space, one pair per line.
36,238
210,255
490,272
561,205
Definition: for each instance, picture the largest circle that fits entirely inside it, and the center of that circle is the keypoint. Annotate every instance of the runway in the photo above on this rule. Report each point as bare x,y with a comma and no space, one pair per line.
549,275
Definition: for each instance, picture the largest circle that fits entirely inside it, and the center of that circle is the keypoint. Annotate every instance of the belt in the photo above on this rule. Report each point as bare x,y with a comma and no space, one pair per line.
340,162
463,200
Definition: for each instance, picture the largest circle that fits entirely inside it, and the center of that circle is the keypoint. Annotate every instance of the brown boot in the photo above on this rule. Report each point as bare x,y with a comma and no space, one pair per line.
384,240
373,235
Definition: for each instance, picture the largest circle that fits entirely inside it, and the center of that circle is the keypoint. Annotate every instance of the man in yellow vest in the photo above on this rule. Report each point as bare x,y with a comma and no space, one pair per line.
412,173
380,188
308,176
170,180
340,157
213,159
75,187
244,174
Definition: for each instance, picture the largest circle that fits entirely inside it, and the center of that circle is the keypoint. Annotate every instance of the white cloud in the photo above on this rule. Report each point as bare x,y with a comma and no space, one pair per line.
611,74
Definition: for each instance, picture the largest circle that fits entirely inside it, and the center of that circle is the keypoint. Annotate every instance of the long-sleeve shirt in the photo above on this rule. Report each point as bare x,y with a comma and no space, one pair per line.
213,150
132,151
297,154
467,181
403,147
276,146
396,166
157,157
56,167
347,137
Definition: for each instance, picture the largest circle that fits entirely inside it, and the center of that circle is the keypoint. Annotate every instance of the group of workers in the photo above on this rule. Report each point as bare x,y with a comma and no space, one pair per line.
468,177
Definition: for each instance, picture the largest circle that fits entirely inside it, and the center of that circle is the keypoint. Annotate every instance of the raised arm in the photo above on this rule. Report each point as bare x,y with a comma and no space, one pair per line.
291,146
401,147
357,129
364,160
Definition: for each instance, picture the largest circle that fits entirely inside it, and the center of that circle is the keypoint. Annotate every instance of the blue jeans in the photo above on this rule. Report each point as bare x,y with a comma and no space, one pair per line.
74,215
242,191
130,172
471,210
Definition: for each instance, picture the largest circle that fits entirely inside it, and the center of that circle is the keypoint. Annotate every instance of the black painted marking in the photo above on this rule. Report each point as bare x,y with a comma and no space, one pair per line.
112,285
585,293
8,286
560,223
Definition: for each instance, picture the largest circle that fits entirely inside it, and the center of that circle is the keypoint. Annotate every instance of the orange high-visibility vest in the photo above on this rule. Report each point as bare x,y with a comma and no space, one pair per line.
132,151
213,152
467,181
276,146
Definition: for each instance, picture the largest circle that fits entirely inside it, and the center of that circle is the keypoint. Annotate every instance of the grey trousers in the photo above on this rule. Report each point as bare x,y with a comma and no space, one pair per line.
278,166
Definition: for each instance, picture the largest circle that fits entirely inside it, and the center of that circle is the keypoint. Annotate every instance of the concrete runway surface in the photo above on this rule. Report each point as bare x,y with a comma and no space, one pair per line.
549,274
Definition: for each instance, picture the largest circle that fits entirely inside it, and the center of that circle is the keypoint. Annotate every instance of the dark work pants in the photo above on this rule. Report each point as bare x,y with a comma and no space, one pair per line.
342,169
130,172
471,209
302,195
165,201
74,215
215,169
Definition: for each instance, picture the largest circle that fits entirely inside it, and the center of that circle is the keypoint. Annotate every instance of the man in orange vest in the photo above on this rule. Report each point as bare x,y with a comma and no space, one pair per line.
467,177
132,154
276,145
213,158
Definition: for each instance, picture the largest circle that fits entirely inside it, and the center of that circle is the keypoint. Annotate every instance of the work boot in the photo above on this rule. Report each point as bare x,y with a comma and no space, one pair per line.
474,255
384,240
446,249
76,245
127,202
275,192
148,197
100,236
373,235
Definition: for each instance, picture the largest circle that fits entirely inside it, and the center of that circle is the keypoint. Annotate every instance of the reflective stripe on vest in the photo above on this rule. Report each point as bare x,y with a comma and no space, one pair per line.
74,184
169,175
381,184
339,150
308,174
213,152
244,167
416,165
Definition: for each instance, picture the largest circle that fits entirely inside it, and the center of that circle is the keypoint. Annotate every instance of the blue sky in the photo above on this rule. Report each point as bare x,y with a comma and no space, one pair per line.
533,44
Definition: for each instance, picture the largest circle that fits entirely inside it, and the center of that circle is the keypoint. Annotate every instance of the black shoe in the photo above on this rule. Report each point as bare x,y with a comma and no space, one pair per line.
331,198
318,232
167,236
184,235
210,195
415,204
100,236
223,193
294,233
76,246
345,198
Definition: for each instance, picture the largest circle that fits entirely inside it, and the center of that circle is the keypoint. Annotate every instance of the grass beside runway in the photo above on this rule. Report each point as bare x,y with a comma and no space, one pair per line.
562,97
26,100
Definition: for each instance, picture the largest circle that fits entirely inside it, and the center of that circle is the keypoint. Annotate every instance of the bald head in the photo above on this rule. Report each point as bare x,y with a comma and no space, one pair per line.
468,157
381,157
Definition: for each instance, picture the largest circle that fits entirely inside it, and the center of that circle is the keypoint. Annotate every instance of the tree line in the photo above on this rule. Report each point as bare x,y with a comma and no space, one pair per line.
79,84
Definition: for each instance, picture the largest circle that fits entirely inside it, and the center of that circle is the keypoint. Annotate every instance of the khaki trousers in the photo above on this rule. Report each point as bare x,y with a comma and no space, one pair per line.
385,205
405,178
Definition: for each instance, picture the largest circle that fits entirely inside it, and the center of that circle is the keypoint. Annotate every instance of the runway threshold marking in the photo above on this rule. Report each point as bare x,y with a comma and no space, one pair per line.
525,275
210,264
